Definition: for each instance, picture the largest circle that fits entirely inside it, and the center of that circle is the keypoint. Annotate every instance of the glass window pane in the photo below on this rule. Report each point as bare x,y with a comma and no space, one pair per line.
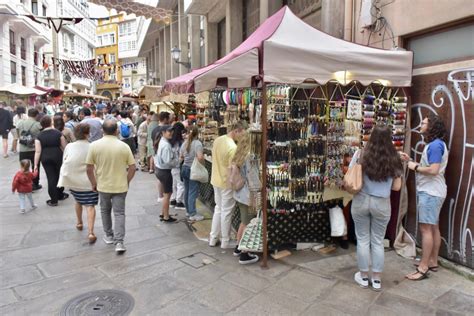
443,46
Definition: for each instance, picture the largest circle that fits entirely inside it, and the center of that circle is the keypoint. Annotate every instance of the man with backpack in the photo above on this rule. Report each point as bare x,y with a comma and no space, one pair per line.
127,131
28,131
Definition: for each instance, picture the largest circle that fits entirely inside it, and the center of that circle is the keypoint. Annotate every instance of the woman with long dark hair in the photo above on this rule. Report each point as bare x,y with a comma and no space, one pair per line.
58,123
49,147
177,197
191,149
381,168
430,192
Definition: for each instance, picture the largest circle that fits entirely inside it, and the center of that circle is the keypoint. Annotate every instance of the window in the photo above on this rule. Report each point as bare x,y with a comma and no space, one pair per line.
36,57
65,42
112,58
34,7
12,43
13,71
112,38
36,78
112,75
99,40
23,75
23,48
437,47
44,10
133,45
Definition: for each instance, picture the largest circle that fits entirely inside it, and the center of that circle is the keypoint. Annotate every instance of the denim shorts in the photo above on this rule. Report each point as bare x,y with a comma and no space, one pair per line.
429,207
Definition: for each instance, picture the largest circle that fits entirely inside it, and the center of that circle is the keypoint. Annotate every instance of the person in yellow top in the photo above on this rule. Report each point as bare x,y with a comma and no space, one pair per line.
223,151
110,168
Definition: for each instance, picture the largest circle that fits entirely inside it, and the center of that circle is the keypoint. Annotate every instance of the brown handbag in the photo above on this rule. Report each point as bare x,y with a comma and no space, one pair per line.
353,179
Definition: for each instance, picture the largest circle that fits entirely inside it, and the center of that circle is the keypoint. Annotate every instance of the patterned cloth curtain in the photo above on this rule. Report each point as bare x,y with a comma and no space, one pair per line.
139,9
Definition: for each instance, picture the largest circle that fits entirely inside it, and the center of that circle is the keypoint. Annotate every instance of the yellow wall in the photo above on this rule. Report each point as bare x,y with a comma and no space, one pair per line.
106,26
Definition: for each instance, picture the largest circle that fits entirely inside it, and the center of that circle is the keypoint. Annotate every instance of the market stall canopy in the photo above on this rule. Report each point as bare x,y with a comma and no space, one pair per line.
84,95
16,88
150,93
127,99
293,52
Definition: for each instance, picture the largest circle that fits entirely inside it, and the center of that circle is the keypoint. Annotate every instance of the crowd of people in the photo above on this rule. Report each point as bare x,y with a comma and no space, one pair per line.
95,151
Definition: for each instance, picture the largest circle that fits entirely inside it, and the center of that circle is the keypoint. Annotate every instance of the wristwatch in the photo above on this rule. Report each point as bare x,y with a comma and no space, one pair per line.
416,168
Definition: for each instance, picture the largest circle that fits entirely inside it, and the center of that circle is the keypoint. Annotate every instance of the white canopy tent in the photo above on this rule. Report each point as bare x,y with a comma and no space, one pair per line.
284,49
18,89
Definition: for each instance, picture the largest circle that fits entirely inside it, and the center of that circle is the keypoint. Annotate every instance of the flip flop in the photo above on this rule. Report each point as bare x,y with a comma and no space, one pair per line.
432,268
423,275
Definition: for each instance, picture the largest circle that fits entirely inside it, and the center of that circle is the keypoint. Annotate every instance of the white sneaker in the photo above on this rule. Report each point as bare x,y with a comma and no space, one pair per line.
22,211
119,247
196,218
108,240
376,285
159,200
212,242
363,282
34,207
227,244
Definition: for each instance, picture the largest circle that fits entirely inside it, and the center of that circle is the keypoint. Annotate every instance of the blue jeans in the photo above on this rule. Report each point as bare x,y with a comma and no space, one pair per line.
371,215
191,190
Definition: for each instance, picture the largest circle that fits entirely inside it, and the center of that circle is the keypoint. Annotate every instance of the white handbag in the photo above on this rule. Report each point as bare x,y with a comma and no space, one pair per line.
338,222
199,172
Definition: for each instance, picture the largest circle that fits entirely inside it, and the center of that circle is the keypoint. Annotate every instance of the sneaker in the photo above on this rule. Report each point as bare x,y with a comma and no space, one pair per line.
248,258
34,207
212,242
237,252
173,202
108,240
119,247
196,218
180,205
227,244
376,285
159,200
22,211
363,282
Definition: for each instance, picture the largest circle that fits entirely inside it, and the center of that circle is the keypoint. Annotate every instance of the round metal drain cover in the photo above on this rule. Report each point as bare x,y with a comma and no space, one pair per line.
102,302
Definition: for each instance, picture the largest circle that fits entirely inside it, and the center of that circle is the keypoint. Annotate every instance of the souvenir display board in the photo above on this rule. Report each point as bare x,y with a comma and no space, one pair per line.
313,132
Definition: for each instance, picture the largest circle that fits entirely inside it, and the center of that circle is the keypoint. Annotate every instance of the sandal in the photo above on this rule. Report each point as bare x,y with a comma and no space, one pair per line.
79,226
423,275
432,268
169,220
92,238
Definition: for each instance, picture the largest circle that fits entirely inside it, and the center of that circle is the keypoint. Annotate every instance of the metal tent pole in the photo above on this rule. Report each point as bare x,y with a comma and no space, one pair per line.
264,174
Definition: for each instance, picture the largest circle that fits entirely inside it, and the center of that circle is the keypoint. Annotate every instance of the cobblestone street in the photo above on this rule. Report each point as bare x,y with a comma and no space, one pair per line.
45,262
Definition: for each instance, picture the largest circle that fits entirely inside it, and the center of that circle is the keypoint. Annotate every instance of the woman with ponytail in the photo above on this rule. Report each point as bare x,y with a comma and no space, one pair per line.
190,150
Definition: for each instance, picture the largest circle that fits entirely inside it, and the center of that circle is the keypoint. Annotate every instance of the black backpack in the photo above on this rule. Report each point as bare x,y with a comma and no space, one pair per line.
26,138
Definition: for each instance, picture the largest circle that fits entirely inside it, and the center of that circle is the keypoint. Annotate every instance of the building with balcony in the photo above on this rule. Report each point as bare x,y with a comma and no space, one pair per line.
107,55
74,42
134,69
22,42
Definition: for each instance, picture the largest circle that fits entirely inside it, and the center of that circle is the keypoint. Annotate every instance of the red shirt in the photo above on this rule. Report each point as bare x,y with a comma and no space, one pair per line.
23,181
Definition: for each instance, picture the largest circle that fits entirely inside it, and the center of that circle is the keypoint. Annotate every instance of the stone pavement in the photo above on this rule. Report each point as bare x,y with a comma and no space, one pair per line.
45,261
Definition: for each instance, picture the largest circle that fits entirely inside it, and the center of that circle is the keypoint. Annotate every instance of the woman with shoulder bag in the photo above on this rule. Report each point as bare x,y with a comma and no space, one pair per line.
238,182
371,209
190,150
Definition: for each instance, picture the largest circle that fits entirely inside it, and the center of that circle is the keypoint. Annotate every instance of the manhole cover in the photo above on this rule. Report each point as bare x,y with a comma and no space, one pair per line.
102,302
198,260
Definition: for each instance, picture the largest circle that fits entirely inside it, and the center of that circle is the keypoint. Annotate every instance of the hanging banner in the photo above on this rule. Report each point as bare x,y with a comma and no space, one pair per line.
78,68
139,9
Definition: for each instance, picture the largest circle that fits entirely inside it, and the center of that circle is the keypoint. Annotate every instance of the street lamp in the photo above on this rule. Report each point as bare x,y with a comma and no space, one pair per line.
142,81
176,53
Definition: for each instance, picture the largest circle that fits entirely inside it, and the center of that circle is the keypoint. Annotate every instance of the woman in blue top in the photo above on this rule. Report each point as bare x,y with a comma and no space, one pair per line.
430,192
382,168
